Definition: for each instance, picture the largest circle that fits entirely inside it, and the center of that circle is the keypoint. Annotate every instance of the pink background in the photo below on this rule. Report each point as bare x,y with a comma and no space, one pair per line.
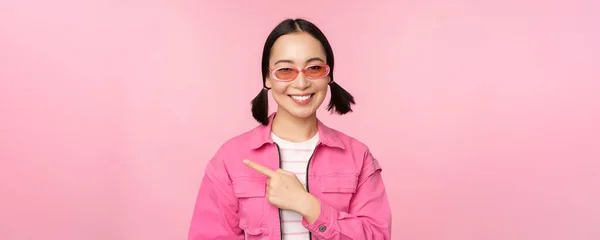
484,115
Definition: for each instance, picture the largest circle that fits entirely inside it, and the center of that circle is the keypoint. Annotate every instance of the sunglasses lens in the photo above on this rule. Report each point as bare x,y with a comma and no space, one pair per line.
316,71
286,74
289,74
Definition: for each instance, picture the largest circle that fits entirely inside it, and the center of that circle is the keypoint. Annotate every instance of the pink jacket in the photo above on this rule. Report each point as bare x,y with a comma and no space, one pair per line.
342,174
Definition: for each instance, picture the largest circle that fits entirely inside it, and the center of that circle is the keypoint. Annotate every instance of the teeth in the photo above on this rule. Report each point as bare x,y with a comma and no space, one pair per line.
301,98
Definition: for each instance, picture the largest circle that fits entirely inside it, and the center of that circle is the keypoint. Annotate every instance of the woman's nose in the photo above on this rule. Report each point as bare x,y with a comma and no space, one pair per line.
301,81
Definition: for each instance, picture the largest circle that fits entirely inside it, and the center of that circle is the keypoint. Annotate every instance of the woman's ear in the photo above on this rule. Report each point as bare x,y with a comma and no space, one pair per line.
268,83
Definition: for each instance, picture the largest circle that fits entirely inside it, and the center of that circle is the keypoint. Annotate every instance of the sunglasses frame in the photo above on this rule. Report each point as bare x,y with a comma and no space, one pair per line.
297,70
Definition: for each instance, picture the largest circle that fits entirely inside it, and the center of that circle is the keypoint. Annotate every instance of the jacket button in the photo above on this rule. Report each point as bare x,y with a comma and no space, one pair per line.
322,228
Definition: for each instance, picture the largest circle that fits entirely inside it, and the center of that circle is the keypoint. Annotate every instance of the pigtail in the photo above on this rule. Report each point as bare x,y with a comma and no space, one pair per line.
260,107
341,100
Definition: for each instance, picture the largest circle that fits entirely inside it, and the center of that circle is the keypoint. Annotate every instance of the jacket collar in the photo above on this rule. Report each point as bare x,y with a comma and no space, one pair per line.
262,135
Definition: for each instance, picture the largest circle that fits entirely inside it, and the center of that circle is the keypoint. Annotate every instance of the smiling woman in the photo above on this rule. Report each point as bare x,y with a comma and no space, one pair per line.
294,47
292,177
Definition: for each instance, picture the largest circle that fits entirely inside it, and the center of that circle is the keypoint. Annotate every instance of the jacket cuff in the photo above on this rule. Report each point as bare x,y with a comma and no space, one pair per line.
323,226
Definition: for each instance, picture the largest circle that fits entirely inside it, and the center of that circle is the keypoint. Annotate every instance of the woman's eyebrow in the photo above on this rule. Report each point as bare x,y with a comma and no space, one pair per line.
307,61
283,61
314,59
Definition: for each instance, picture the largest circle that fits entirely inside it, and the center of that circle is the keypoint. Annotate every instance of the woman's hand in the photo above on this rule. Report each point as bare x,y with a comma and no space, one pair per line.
285,191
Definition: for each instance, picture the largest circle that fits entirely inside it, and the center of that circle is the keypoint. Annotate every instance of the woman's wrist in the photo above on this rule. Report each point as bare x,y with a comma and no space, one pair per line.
309,207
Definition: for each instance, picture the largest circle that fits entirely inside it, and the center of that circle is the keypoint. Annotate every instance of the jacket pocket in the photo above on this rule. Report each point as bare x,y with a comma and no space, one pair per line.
339,189
255,233
250,194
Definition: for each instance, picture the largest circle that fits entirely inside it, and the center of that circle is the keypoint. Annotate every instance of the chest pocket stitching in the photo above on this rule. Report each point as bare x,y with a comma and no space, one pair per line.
249,188
339,183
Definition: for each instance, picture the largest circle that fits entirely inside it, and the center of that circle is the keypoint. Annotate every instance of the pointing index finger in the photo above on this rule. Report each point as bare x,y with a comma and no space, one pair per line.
259,168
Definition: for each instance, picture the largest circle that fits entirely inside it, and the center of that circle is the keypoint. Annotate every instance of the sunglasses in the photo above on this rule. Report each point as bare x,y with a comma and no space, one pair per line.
287,74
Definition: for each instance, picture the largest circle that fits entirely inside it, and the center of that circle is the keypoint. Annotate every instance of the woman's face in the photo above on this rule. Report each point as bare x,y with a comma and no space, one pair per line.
300,97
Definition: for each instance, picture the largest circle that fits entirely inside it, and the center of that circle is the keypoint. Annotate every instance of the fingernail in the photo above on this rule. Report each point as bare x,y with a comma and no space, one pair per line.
245,161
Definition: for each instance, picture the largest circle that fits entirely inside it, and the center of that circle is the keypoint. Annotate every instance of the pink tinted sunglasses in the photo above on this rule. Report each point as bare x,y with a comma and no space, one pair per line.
286,74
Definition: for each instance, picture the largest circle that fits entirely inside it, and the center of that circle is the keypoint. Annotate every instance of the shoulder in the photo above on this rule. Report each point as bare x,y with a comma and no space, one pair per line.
357,148
350,142
231,152
239,142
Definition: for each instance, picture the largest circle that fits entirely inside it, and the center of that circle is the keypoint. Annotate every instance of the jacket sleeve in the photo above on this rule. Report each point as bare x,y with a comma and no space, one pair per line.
215,213
369,215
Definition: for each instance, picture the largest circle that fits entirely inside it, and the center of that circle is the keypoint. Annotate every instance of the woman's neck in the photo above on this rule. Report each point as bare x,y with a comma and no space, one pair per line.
294,129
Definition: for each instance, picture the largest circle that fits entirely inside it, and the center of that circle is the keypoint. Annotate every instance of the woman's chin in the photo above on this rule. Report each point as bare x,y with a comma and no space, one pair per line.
304,115
301,113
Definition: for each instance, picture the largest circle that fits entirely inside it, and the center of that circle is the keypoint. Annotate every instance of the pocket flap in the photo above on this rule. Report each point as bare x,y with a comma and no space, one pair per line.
255,231
339,183
248,188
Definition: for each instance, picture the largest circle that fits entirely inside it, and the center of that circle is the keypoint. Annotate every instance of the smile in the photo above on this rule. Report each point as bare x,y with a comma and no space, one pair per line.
301,99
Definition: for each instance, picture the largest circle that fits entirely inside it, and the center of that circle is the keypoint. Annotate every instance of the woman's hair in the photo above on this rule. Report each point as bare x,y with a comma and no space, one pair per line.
341,100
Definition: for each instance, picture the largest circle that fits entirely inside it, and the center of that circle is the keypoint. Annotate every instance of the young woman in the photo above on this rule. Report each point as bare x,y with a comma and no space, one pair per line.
292,177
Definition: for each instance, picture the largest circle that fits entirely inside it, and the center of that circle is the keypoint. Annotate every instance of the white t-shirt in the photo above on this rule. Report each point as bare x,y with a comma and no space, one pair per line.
294,158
